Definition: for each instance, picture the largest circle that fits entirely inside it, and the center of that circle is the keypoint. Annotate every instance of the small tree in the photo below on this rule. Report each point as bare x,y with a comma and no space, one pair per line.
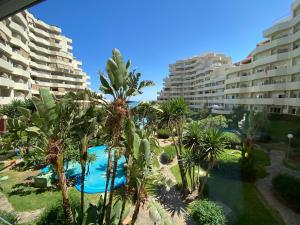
173,115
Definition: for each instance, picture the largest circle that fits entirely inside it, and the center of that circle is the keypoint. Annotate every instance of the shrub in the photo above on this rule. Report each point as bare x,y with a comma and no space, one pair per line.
248,171
9,217
288,188
168,155
54,214
163,133
233,139
206,212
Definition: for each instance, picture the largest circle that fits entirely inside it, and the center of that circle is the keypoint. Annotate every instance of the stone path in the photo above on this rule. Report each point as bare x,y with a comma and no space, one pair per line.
265,187
24,217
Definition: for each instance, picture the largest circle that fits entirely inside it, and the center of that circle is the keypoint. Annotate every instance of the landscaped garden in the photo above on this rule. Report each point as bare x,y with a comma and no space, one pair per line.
83,159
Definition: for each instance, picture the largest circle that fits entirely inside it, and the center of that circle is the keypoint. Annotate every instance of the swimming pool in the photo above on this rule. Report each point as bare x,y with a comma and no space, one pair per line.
95,180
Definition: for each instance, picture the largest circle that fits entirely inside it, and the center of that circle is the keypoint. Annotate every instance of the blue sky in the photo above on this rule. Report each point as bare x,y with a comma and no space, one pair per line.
155,33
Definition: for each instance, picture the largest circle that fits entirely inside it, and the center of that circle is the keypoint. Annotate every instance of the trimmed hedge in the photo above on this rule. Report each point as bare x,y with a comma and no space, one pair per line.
168,155
206,212
288,188
285,117
163,133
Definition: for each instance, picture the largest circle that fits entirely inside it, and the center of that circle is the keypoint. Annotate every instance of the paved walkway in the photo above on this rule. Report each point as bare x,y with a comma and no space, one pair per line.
24,217
265,187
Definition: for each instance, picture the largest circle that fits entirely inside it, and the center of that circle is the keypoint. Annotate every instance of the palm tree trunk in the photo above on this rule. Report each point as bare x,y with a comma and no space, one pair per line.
83,156
122,211
112,187
136,211
203,183
137,204
108,169
64,190
82,191
129,162
181,166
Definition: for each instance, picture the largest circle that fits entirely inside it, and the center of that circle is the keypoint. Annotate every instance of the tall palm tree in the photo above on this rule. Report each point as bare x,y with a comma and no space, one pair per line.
52,122
173,115
121,84
213,143
84,128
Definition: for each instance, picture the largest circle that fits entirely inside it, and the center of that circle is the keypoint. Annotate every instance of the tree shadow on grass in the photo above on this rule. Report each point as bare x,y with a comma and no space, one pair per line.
23,189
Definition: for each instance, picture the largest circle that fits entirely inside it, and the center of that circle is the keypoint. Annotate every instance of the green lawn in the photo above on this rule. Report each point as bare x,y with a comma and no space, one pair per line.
243,198
23,197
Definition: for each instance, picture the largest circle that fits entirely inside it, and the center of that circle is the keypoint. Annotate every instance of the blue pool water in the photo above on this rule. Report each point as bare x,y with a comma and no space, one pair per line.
95,180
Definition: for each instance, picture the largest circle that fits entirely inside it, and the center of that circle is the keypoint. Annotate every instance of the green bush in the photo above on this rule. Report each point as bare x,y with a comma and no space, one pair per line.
54,214
288,188
232,139
206,212
168,155
248,171
9,217
163,133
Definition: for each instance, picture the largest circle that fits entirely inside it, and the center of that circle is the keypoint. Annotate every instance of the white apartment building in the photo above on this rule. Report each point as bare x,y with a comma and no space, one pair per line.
267,80
270,78
34,54
199,80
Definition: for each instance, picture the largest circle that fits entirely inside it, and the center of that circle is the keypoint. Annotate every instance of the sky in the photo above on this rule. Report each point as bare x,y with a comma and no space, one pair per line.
156,33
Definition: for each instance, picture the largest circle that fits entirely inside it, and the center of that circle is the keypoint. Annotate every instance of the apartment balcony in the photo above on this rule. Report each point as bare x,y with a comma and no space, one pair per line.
6,48
19,58
276,28
5,29
46,51
221,111
21,86
39,57
20,44
271,59
295,4
21,72
264,101
6,66
18,28
6,82
5,100
48,27
21,18
240,68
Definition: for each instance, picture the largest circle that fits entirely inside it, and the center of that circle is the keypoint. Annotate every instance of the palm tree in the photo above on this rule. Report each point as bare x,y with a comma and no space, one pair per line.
213,144
193,156
84,128
173,116
52,122
121,84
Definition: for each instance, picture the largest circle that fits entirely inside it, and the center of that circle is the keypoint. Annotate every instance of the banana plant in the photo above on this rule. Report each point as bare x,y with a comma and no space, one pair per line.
52,123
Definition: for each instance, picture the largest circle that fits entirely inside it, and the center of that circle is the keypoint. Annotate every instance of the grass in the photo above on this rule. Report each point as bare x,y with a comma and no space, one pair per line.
24,197
262,160
224,185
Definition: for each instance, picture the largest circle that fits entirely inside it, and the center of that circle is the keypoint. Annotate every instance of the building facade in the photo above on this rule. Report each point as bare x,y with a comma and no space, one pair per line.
199,80
34,54
267,80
